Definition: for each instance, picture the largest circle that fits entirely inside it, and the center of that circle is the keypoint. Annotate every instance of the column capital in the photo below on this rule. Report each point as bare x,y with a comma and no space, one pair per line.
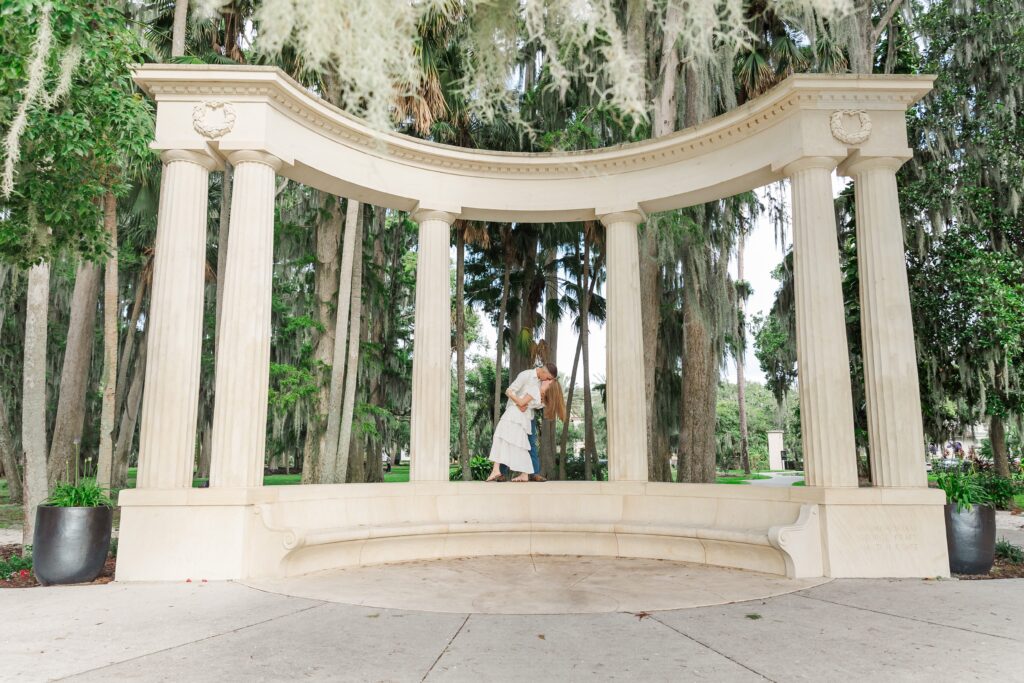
805,163
858,163
608,216
255,157
429,213
205,160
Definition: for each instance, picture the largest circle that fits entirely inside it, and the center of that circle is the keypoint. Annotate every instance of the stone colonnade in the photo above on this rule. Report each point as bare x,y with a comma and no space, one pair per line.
172,380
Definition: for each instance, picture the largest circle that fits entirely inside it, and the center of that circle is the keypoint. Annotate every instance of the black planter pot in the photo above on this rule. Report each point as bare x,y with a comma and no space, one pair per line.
71,544
971,539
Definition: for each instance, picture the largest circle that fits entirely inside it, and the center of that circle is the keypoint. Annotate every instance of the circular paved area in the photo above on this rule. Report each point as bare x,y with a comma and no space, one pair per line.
538,584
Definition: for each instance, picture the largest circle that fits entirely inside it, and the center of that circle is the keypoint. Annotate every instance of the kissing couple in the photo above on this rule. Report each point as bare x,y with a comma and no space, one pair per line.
514,448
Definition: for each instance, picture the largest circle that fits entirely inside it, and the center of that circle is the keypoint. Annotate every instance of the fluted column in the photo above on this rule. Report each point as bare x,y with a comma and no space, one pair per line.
431,351
175,324
627,407
823,361
243,353
895,428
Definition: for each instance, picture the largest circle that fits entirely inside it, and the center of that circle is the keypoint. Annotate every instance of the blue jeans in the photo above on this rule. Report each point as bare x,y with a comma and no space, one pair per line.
534,454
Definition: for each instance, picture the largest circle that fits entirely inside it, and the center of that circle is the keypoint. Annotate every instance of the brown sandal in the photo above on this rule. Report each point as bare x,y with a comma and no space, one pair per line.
500,477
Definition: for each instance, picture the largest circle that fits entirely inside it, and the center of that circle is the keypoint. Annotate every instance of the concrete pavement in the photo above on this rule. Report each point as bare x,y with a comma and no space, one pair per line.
883,630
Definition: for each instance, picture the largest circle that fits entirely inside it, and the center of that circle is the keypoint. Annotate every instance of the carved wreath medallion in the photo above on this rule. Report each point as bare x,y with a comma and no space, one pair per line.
838,125
213,118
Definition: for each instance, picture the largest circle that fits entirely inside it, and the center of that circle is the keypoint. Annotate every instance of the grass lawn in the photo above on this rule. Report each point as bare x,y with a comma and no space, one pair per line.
397,473
1019,500
737,477
10,515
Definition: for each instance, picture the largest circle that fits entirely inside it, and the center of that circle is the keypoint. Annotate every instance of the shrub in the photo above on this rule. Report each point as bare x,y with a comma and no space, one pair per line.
84,494
479,469
1009,552
14,564
998,490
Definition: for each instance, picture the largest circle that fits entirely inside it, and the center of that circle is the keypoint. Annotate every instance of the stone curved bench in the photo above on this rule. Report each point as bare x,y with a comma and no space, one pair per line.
605,523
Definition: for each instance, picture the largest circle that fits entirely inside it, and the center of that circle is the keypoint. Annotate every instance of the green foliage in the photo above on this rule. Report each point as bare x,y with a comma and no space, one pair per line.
85,493
91,142
479,467
15,564
999,491
1009,552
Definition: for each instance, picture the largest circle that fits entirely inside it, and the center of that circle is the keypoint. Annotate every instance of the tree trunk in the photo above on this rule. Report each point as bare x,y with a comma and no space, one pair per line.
223,237
997,437
33,396
352,363
589,444
650,317
741,386
502,310
74,377
521,357
664,122
572,378
8,461
861,44
129,343
568,409
129,420
325,286
328,463
111,310
547,442
376,336
205,450
460,346
178,30
700,378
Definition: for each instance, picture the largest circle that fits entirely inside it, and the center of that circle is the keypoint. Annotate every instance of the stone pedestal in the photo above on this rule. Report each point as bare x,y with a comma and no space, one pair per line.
430,427
895,430
627,431
826,406
175,325
243,356
775,448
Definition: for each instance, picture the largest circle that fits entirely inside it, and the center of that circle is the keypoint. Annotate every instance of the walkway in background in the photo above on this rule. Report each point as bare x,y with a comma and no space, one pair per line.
882,630
777,479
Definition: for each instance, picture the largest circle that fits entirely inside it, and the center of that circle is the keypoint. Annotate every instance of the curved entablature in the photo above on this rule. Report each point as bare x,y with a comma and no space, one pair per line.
218,110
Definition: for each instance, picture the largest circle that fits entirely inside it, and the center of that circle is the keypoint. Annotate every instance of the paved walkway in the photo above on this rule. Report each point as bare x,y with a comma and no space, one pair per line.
777,479
879,630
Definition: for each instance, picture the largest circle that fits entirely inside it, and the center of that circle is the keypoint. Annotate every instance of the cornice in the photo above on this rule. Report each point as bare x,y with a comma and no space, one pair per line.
271,85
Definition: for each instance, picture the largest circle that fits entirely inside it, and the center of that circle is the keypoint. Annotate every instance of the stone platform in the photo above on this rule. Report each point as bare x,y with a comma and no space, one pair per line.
535,585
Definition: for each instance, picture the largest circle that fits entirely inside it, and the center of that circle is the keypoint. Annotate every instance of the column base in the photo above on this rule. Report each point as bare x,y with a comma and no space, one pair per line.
882,533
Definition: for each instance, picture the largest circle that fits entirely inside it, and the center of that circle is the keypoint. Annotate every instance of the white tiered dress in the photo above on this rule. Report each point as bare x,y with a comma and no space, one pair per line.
511,445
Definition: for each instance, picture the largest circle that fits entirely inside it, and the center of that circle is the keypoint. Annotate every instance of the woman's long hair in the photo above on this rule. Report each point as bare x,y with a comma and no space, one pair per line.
554,402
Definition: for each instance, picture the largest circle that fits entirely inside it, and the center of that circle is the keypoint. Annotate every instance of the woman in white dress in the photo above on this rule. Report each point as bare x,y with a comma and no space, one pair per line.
511,446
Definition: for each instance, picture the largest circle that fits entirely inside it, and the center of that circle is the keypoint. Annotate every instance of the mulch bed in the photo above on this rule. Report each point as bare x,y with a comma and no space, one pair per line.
1000,570
29,580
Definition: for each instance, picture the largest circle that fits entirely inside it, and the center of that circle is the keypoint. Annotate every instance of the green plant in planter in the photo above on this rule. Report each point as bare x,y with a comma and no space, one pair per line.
962,489
84,494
